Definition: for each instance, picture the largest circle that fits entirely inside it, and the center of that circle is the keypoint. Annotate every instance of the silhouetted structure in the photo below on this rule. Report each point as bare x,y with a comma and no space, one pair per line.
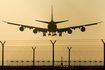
79,63
48,62
104,52
95,62
90,62
2,54
57,62
27,62
52,27
74,62
33,56
43,62
69,56
85,62
38,62
7,62
53,51
22,62
12,62
61,61
17,62
100,62
65,62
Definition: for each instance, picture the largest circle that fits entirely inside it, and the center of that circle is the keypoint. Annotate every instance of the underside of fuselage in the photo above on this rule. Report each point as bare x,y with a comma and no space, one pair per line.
52,28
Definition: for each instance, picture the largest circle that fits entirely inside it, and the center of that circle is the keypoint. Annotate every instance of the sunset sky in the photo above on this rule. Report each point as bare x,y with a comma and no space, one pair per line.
78,12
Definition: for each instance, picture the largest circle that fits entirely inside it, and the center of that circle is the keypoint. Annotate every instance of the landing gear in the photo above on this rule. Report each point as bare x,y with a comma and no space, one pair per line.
54,34
49,34
60,34
44,34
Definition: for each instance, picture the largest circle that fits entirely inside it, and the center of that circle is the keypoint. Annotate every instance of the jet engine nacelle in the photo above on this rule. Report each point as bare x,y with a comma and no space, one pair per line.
21,28
69,31
34,31
83,29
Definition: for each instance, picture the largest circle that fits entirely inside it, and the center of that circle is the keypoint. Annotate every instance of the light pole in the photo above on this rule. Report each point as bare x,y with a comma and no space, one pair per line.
104,52
2,54
69,56
53,51
61,61
33,56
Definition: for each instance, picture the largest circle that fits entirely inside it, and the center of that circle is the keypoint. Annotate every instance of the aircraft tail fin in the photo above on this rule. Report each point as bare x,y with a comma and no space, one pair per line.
52,16
51,13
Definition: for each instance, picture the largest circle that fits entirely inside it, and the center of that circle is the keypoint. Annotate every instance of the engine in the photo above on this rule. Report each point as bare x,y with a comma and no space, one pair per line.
69,31
21,28
83,29
34,31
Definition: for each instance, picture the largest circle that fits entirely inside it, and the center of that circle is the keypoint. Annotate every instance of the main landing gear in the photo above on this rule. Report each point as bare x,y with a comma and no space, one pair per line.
53,34
60,34
49,34
44,34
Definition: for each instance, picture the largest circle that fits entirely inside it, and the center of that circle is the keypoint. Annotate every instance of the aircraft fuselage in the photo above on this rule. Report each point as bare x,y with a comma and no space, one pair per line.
52,27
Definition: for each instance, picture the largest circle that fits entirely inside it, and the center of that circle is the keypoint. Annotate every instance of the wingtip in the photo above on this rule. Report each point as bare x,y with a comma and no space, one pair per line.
100,22
66,20
36,20
3,21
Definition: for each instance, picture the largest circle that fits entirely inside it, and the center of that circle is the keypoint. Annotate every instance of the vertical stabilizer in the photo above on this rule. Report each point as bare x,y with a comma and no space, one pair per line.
51,13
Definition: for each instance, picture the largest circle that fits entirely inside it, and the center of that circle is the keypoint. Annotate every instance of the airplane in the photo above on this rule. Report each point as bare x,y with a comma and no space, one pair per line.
52,27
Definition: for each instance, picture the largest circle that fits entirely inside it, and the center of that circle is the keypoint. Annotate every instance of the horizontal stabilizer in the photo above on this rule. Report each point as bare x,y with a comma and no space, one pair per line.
42,21
61,21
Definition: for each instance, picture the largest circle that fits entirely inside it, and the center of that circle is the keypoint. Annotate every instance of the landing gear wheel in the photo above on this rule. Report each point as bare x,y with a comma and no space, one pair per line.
54,34
44,34
60,34
49,34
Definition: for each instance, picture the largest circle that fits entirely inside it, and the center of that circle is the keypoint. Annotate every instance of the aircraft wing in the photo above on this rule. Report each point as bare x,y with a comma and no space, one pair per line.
30,27
74,27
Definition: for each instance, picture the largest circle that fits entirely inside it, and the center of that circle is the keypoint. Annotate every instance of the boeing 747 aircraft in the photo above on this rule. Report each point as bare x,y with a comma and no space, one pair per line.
52,27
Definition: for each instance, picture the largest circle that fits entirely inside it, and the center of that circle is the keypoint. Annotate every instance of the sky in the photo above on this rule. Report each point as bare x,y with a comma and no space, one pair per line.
78,12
